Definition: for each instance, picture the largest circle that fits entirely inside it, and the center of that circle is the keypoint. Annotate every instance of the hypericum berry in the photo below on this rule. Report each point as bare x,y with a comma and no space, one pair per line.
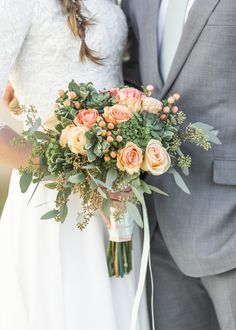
113,154
104,133
109,133
56,106
119,138
66,103
176,97
163,117
166,109
110,126
102,124
107,158
72,95
119,130
110,139
61,92
175,109
77,105
150,88
171,100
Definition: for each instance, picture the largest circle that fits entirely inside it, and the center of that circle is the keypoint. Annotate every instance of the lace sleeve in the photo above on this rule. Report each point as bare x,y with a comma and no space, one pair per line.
15,21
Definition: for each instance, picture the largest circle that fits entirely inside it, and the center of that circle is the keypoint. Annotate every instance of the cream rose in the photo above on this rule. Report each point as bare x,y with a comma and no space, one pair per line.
51,122
86,117
157,160
130,158
77,139
64,135
117,114
152,105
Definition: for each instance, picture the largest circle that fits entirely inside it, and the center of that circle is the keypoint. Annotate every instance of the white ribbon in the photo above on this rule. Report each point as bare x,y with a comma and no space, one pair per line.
143,270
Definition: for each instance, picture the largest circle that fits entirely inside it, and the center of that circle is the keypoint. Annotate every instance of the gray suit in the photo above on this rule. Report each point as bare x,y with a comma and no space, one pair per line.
197,231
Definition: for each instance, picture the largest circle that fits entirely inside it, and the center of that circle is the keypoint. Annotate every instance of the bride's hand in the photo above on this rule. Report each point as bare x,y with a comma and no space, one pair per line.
9,95
10,100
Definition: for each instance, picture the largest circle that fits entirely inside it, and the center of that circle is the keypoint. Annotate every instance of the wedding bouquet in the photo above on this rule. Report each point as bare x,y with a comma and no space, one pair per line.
97,144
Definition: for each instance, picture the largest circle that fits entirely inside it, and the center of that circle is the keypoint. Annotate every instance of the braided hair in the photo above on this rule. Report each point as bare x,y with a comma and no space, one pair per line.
78,24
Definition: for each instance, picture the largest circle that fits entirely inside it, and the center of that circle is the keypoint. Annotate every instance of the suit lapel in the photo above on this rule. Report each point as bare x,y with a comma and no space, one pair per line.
194,25
150,30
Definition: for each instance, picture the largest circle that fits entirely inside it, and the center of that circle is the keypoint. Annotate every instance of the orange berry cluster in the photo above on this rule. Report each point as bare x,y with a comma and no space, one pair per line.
107,132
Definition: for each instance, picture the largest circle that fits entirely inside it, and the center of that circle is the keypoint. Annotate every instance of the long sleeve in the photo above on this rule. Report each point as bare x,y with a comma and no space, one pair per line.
15,21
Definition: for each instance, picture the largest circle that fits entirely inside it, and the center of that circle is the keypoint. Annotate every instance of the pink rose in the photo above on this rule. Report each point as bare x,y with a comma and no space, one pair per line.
157,160
117,114
114,91
130,97
86,117
130,158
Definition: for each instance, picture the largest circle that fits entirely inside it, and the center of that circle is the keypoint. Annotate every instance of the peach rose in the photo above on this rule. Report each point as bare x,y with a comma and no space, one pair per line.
130,158
152,105
130,97
64,135
157,160
77,139
117,114
86,117
51,122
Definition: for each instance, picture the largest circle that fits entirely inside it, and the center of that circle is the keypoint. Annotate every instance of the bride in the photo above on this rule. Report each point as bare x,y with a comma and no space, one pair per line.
52,276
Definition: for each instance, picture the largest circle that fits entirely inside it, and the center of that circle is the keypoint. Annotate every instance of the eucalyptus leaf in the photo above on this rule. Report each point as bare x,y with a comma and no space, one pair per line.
25,181
102,193
50,215
51,185
157,190
145,187
63,212
77,178
138,194
112,175
35,126
134,214
179,181
203,126
106,207
102,184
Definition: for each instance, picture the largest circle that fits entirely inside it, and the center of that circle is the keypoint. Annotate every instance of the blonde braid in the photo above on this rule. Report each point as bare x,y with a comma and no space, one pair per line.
78,24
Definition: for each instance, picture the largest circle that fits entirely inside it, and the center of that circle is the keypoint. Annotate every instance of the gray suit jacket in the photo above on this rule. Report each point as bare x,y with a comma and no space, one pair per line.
199,229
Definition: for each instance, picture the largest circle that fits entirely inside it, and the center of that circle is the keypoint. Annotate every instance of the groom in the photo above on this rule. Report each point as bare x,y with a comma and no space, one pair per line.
189,47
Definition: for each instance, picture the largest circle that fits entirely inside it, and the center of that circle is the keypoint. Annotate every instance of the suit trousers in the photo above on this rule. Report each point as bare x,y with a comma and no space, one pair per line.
188,303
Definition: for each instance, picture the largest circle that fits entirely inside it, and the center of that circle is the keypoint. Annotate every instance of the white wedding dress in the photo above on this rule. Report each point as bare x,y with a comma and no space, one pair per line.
52,276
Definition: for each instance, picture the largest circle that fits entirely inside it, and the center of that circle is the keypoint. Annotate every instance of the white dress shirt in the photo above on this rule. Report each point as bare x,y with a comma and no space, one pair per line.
162,17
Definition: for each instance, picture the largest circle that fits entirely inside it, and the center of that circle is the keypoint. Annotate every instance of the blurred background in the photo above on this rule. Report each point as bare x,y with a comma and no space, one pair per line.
5,172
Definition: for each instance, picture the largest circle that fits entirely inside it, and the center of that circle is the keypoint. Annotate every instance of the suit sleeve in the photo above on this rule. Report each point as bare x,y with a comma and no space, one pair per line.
131,69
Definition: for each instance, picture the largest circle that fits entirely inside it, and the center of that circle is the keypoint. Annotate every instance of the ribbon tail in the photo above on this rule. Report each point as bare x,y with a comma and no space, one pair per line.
143,268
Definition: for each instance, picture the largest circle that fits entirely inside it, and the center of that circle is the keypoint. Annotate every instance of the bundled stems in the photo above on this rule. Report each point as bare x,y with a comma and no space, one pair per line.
119,258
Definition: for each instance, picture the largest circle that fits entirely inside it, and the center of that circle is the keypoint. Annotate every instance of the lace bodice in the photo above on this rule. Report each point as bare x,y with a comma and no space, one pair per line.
40,54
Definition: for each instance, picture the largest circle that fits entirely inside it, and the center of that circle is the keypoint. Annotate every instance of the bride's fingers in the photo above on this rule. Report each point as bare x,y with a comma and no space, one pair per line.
105,218
8,95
